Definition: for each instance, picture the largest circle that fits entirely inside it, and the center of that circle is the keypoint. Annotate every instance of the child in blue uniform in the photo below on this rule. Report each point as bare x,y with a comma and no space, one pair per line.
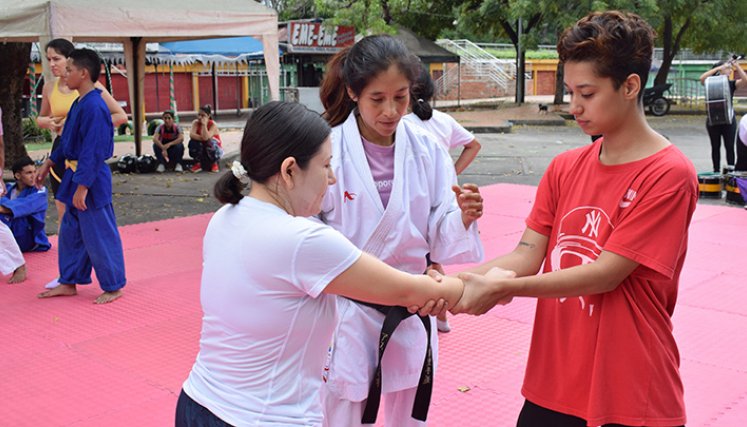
88,232
23,208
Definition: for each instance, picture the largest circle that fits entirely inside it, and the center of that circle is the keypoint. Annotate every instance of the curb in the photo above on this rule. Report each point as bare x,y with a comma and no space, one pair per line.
535,122
505,128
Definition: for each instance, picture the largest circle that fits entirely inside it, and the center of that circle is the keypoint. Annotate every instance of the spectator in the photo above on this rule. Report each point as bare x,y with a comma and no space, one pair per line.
205,145
24,206
168,144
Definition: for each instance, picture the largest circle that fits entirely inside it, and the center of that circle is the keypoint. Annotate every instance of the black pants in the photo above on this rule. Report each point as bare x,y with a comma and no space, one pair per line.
536,416
191,414
58,170
175,152
741,156
715,133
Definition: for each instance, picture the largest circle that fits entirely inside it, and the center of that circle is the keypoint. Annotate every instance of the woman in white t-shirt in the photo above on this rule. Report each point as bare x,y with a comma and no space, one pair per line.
268,272
446,130
449,133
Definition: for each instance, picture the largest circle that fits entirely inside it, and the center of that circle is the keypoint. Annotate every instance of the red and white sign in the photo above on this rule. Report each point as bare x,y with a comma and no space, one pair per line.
316,37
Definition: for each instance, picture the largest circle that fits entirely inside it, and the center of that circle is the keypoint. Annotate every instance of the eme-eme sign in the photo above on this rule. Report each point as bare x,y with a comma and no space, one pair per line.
315,36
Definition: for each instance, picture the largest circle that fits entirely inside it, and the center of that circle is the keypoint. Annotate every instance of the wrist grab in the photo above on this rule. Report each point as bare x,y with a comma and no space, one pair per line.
461,294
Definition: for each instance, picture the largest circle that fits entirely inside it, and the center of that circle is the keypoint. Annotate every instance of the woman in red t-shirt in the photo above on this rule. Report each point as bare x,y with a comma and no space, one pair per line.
609,225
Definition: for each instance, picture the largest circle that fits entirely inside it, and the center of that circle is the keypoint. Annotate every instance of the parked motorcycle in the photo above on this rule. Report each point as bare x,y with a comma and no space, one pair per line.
654,99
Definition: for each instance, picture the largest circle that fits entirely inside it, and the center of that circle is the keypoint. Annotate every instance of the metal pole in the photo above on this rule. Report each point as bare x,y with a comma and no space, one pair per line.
459,82
172,96
137,107
32,91
215,93
519,67
158,94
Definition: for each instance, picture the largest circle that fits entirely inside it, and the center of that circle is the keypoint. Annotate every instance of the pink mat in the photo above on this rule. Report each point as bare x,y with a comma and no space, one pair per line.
68,362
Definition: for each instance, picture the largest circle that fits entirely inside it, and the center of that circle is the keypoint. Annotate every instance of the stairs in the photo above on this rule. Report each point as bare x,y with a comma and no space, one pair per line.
481,74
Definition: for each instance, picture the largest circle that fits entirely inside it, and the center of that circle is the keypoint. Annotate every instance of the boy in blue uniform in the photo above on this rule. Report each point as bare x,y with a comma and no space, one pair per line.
23,208
88,232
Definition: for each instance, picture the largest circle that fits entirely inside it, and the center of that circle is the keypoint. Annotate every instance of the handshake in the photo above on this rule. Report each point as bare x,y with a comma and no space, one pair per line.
481,293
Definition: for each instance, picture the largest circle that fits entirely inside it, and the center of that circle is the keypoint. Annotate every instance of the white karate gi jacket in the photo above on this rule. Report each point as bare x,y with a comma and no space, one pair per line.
422,216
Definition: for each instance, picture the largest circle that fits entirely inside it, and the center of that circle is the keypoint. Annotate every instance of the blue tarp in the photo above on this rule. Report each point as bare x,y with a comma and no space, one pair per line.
231,46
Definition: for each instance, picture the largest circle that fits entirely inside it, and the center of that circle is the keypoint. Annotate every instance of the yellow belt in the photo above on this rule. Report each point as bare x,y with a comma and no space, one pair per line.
69,164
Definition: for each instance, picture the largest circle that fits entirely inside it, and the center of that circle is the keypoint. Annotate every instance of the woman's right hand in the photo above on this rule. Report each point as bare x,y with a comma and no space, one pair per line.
482,293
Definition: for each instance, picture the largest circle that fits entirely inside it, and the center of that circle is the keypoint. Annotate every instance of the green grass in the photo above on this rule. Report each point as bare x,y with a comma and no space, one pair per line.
37,146
33,146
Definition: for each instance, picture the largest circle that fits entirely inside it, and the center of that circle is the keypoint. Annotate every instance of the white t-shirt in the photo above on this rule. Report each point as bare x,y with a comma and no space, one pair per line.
743,129
266,325
448,131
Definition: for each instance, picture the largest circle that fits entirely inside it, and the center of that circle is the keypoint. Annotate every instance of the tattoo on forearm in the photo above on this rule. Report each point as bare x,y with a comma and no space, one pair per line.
527,244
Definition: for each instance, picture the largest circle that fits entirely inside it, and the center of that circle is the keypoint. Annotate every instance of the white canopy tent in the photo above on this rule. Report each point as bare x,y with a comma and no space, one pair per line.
137,22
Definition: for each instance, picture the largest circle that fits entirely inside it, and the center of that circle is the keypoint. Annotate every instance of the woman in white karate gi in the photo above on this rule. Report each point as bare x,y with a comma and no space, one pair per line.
393,199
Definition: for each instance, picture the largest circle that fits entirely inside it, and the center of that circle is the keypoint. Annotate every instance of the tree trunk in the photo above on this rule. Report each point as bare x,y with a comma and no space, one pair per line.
520,72
671,47
386,12
559,88
13,67
666,36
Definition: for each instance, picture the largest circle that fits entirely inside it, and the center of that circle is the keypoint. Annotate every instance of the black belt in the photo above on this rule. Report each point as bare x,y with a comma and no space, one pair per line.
393,316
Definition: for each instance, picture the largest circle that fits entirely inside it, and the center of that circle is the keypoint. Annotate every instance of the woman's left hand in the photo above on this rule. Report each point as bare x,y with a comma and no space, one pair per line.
469,200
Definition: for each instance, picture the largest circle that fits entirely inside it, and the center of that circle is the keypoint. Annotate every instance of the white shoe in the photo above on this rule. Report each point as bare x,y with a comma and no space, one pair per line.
53,284
178,168
161,168
443,325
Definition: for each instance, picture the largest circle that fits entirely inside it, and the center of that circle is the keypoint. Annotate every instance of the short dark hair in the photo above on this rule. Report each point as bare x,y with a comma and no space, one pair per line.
274,132
207,110
22,163
61,46
88,59
618,44
168,113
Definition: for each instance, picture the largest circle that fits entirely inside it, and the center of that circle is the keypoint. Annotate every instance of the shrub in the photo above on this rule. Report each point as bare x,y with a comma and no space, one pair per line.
32,133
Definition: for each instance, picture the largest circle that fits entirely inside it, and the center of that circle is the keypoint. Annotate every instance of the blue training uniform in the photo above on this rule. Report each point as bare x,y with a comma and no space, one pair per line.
88,238
26,220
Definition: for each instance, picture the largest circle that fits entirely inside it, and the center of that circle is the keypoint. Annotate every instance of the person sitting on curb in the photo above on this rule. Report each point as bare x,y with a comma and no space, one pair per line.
205,145
24,206
168,144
